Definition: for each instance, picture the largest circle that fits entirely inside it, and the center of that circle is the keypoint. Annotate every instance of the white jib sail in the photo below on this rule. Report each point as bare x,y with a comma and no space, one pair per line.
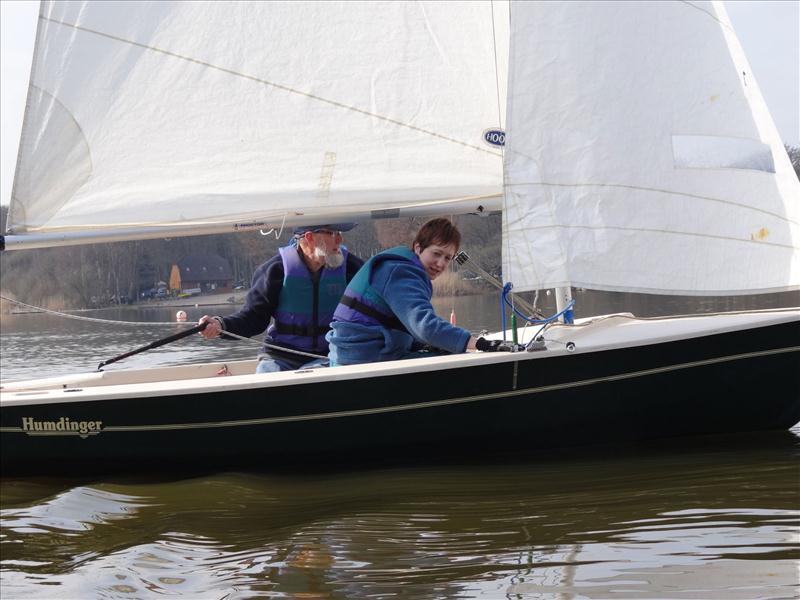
186,114
640,155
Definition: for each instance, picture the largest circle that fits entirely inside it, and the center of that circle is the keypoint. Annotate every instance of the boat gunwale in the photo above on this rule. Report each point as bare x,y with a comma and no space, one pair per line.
557,348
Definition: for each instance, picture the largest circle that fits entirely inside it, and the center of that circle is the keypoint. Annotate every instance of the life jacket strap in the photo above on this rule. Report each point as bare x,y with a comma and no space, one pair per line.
385,320
299,330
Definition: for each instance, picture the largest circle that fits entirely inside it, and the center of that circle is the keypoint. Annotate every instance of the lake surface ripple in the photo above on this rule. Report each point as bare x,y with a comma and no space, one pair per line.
708,519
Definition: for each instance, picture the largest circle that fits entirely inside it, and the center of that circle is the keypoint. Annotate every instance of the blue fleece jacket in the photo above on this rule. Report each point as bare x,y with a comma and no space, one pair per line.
406,288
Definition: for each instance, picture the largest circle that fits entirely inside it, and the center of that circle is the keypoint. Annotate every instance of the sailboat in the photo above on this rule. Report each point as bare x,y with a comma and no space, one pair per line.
627,145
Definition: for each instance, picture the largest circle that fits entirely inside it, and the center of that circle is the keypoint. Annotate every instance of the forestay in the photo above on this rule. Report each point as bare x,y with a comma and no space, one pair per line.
640,155
178,115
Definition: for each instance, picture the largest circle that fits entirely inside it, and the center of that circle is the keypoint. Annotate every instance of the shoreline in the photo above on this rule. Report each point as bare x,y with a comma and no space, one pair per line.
193,302
225,299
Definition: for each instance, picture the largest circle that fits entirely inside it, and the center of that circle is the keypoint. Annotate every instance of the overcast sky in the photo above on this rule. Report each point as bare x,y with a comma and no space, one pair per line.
768,30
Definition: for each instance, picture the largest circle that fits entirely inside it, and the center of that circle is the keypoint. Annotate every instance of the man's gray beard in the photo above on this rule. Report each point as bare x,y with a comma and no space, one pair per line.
333,260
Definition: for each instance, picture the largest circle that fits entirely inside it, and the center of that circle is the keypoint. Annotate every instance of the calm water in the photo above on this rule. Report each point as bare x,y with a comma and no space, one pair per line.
703,518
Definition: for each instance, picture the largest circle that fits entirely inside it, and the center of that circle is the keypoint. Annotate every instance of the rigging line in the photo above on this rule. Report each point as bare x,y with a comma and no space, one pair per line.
594,320
658,190
713,16
501,125
496,73
280,231
91,319
662,231
170,323
271,346
278,86
144,323
508,202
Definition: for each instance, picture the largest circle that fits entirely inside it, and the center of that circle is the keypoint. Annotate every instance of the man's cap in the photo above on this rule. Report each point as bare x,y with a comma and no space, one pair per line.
328,226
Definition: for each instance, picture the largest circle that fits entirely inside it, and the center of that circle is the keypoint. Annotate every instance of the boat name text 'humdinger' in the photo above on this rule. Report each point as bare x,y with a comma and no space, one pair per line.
61,427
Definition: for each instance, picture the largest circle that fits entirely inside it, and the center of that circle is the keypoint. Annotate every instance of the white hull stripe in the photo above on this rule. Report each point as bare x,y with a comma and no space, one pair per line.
432,403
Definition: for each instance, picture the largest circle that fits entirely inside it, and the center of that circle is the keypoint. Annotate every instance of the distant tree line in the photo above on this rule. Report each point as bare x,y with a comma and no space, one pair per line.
103,274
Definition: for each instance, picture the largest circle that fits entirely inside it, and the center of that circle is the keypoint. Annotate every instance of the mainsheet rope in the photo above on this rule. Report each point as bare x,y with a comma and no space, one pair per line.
156,323
92,319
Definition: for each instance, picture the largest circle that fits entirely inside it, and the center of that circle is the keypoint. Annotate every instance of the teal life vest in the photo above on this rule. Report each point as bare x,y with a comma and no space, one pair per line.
362,303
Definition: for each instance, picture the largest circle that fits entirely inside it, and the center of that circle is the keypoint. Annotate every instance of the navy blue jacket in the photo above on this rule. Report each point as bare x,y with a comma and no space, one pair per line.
263,297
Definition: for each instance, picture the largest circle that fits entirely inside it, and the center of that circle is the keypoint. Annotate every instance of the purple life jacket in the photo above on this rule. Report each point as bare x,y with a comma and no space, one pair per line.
305,307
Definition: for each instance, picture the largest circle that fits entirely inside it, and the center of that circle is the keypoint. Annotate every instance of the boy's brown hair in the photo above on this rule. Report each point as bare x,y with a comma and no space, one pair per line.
438,231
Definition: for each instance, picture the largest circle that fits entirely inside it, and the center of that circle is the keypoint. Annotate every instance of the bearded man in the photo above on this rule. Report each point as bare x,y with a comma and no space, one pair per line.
298,289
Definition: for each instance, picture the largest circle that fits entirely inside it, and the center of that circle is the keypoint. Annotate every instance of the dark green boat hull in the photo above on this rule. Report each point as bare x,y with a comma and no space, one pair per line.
725,383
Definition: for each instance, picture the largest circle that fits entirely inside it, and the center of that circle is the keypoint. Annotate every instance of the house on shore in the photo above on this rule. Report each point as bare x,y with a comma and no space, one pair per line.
198,274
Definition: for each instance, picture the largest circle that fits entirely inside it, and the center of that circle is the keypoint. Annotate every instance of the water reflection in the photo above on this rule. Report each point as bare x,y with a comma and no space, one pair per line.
675,521
66,346
76,509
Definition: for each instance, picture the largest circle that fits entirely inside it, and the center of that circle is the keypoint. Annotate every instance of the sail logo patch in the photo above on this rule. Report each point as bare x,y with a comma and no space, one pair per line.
494,137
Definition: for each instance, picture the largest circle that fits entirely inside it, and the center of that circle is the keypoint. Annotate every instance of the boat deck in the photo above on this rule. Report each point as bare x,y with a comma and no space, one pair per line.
593,334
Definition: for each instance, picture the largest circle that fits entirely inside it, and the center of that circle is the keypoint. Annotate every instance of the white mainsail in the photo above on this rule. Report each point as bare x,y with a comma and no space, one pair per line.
179,115
640,155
